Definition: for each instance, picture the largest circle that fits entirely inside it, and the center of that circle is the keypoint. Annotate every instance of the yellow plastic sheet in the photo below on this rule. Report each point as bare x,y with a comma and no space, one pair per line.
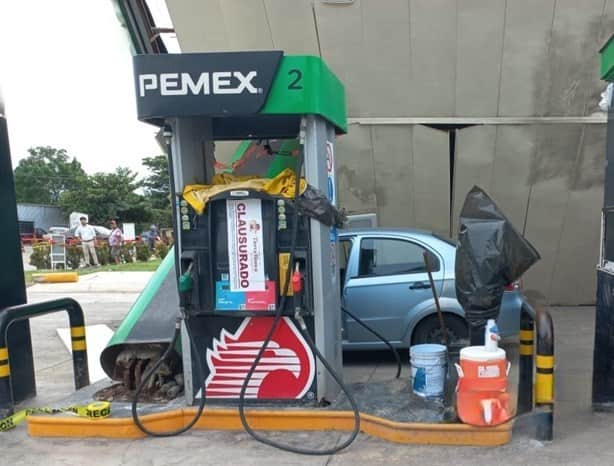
198,195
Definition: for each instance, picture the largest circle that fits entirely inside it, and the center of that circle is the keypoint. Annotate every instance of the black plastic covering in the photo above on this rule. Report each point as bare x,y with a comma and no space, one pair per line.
315,204
491,254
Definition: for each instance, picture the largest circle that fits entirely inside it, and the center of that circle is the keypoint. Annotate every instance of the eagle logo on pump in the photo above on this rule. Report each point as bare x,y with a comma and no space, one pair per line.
286,369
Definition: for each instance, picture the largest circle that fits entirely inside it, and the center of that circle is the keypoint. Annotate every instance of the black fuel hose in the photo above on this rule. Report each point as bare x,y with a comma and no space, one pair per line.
149,374
394,351
309,340
175,338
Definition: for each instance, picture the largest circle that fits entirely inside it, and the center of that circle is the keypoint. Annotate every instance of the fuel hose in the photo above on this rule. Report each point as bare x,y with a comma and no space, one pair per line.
278,315
180,319
393,350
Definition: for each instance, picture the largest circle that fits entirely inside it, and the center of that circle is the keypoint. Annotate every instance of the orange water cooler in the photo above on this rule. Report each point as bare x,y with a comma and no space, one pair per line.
482,398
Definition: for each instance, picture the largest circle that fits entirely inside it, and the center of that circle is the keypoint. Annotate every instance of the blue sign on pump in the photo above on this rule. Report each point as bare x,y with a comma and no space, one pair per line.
226,300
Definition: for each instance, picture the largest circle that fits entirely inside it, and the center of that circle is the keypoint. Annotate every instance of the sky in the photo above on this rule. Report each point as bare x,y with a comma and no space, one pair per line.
66,80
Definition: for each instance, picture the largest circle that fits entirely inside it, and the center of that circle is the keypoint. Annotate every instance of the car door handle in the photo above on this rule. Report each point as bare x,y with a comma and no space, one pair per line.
419,286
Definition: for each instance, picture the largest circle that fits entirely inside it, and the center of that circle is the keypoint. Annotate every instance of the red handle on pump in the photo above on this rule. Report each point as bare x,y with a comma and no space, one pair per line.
297,280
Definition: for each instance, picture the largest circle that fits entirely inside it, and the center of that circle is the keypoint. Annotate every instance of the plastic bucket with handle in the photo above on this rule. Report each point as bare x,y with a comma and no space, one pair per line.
428,369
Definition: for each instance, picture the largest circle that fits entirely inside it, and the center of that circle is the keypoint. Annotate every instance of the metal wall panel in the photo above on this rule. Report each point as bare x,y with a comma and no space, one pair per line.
433,56
474,162
525,51
394,175
573,61
607,23
199,25
578,253
247,25
340,32
478,63
432,179
291,28
439,58
216,25
385,85
355,173
514,151
43,216
551,171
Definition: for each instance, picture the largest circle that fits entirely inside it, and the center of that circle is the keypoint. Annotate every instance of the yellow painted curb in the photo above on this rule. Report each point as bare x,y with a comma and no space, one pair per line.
55,277
228,419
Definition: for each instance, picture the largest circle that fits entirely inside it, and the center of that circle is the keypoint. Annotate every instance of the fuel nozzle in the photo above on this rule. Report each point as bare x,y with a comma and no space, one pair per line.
186,281
297,291
297,280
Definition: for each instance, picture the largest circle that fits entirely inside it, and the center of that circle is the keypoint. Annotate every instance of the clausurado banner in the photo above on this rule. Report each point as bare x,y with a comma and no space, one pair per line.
245,250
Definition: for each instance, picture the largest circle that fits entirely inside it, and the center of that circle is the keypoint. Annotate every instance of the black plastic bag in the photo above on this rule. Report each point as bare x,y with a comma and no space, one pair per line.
491,254
315,204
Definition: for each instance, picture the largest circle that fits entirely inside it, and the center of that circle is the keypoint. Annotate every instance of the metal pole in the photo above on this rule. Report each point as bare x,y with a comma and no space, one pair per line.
525,359
442,323
12,282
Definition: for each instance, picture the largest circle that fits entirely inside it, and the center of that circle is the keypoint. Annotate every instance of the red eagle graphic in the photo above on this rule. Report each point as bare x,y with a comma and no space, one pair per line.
286,369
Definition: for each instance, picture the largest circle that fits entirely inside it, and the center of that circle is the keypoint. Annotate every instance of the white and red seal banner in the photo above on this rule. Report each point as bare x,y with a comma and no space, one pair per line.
245,245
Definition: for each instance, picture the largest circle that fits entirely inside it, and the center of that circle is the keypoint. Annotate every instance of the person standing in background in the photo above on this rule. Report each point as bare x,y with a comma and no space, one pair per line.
87,235
116,239
153,237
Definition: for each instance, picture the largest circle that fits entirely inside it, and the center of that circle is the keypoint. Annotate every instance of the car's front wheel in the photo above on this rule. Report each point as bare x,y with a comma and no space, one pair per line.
428,330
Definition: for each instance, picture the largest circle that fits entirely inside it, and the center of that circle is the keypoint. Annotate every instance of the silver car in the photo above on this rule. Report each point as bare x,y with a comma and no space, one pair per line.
385,284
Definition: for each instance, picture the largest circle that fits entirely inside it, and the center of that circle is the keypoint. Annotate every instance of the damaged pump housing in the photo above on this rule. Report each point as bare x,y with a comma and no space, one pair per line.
201,98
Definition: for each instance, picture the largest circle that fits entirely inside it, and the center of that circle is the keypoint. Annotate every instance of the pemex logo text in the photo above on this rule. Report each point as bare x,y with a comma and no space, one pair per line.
286,369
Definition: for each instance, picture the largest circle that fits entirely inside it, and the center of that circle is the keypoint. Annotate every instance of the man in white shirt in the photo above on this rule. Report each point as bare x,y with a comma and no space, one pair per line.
87,234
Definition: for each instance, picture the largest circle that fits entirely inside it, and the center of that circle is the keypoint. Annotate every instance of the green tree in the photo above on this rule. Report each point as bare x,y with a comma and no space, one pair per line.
108,195
45,174
157,187
157,184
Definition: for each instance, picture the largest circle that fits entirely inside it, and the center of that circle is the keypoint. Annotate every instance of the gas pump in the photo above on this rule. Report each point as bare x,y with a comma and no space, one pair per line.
258,280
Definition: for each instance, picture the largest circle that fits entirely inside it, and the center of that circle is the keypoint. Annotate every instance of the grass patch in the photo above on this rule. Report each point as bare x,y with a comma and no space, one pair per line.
149,266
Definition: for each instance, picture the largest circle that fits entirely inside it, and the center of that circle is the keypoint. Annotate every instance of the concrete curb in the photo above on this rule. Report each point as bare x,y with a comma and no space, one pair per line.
98,282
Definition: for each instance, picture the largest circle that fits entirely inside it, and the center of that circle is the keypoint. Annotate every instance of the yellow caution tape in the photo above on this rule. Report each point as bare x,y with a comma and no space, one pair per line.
94,411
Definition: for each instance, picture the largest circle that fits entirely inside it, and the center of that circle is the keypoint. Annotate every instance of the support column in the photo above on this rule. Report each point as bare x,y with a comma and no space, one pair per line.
193,163
319,171
12,282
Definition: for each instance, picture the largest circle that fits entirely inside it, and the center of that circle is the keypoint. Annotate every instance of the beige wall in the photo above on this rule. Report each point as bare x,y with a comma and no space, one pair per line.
489,60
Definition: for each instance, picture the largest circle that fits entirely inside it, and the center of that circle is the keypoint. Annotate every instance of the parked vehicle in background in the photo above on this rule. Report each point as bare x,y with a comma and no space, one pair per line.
57,230
385,284
28,233
102,233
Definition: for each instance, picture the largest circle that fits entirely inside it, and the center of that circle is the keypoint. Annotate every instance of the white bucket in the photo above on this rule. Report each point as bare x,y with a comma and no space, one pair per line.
428,369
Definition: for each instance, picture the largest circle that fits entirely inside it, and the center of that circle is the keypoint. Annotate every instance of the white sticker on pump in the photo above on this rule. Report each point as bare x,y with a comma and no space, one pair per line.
245,245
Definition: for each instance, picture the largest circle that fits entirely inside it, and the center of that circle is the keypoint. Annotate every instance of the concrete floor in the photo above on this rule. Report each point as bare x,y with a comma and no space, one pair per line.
581,437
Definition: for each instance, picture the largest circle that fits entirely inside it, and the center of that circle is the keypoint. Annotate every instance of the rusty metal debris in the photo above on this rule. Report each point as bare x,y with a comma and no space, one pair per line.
131,366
